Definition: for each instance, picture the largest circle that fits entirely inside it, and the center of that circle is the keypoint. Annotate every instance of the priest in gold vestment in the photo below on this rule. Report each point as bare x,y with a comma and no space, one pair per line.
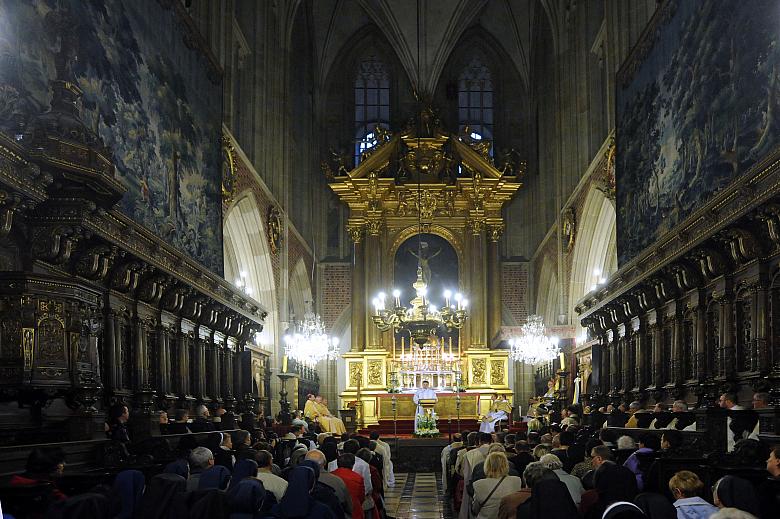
317,411
500,409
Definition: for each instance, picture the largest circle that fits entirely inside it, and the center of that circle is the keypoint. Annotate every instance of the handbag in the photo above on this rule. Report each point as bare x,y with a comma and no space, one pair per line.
479,508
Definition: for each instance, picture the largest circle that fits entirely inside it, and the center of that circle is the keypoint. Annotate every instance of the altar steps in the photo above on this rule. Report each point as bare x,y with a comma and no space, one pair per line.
390,427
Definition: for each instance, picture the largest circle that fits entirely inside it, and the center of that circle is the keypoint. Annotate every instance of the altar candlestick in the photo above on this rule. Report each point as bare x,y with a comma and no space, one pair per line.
562,361
284,364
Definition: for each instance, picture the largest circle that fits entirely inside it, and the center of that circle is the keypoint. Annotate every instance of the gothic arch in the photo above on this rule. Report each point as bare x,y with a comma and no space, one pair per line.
547,292
246,250
300,289
594,246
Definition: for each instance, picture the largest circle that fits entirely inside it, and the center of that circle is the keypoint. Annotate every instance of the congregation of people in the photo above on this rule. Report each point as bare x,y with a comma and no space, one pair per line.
222,469
575,470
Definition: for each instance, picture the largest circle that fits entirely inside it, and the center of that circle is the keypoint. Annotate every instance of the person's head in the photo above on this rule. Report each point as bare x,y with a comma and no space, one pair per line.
732,513
118,413
457,438
566,438
509,439
346,461
425,384
551,461
671,439
600,454
45,463
310,397
220,411
658,408
540,450
494,396
201,458
608,436
297,430
242,437
634,406
685,484
351,446
522,446
622,408
318,399
728,400
181,415
496,465
650,441
264,459
496,447
773,463
227,441
374,435
626,442
202,411
364,454
591,444
679,407
760,400
485,438
535,472
471,438
317,456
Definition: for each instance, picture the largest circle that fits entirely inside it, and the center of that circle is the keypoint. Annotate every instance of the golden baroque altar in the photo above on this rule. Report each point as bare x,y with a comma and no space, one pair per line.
423,180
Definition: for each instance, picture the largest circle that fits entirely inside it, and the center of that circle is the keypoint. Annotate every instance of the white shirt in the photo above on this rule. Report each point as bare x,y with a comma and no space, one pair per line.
361,467
424,394
273,483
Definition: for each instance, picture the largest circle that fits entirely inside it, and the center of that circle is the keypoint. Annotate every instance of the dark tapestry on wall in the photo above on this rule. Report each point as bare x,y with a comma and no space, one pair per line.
146,94
698,109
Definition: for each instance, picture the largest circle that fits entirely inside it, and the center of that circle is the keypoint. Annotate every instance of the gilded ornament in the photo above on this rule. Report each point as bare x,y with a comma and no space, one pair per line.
355,374
497,372
569,229
229,170
355,232
274,229
478,371
28,347
374,372
495,231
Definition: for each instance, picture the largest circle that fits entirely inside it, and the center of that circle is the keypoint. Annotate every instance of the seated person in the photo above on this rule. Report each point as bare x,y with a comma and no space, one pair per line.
43,466
686,487
641,460
298,420
180,422
202,422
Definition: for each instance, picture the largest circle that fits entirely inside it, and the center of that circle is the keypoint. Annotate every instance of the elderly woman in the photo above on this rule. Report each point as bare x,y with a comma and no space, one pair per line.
686,487
498,483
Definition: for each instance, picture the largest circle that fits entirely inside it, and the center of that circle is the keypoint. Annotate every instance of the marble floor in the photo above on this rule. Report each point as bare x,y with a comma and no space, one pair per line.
417,496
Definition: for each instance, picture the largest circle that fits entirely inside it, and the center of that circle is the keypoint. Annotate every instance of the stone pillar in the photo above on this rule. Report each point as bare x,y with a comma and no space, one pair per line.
658,371
675,364
373,283
701,341
727,351
199,368
760,351
216,367
238,379
139,354
477,290
112,372
605,364
493,283
182,375
163,361
358,337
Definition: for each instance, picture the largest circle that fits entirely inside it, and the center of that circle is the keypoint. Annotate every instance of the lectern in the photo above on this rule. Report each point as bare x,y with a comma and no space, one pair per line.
427,404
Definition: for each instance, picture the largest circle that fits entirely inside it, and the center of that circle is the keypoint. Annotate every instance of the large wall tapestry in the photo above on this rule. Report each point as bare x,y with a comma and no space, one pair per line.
146,94
696,107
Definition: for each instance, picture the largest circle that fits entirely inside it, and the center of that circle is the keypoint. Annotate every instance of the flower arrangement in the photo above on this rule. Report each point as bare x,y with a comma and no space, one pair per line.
426,426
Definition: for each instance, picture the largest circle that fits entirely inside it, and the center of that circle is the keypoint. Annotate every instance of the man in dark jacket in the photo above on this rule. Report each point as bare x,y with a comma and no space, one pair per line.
202,422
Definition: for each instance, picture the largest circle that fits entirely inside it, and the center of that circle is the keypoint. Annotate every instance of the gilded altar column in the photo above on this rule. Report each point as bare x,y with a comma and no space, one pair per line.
358,338
477,290
373,281
494,282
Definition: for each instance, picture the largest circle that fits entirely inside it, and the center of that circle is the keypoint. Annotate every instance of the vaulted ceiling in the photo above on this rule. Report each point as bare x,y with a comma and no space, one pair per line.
441,25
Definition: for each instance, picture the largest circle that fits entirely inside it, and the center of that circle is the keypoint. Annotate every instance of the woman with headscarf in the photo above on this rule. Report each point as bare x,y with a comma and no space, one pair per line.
159,495
623,510
655,506
298,501
734,492
243,469
245,499
551,498
129,488
613,483
216,477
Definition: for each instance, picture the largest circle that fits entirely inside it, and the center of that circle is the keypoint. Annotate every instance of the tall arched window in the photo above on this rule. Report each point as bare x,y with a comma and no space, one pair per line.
372,102
475,99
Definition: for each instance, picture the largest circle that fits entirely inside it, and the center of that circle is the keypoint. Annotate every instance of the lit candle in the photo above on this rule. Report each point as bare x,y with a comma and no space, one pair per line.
562,361
393,351
450,346
284,364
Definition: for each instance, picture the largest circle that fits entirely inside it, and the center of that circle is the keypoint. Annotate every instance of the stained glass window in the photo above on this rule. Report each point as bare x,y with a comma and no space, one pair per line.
372,102
475,99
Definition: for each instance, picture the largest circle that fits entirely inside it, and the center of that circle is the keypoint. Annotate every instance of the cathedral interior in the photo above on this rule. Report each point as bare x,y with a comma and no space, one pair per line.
288,217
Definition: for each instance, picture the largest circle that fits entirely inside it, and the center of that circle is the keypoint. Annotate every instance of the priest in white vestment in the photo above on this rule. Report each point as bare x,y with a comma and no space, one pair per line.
424,393
500,409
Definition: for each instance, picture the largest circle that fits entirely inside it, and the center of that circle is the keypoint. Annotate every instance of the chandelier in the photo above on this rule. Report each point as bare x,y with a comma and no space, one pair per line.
533,346
421,319
308,343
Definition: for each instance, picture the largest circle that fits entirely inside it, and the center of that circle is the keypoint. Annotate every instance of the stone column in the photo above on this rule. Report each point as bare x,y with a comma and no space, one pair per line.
238,378
727,352
358,337
760,351
493,282
477,290
199,368
658,371
701,341
675,364
113,366
605,364
183,385
373,282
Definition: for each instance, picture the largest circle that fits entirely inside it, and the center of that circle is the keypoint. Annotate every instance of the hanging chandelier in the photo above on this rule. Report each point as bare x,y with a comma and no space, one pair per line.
421,319
533,346
308,343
